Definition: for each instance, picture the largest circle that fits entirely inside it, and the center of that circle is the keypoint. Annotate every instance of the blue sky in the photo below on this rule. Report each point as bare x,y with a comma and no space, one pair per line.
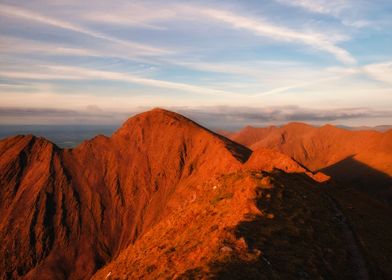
316,61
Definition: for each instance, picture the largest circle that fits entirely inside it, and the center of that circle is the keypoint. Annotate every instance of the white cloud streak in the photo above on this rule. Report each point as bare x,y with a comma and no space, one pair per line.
17,12
335,8
328,7
302,85
12,45
133,14
260,27
264,28
78,73
380,71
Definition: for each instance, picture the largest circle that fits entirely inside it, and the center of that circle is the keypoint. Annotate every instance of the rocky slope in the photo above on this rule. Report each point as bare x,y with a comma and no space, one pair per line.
166,198
64,213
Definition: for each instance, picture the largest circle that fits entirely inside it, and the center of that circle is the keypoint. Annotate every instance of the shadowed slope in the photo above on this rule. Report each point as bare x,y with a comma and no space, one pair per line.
371,221
359,175
64,213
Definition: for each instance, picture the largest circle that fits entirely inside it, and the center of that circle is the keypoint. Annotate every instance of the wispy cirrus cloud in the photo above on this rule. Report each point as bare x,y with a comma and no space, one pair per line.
294,78
380,71
14,11
334,8
14,45
53,72
260,27
261,70
295,75
329,7
133,14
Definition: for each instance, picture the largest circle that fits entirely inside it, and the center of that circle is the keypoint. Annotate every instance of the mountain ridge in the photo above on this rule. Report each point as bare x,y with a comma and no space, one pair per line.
103,194
66,213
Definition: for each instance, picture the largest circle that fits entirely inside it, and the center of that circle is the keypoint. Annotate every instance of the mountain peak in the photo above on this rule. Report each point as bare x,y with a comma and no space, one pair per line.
159,109
156,115
160,125
298,125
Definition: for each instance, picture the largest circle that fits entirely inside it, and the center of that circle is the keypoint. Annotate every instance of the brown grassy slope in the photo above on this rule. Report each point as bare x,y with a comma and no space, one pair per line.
65,213
243,225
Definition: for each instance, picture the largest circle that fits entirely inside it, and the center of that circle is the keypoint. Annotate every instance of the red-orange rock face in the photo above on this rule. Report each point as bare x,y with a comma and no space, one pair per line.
64,213
164,197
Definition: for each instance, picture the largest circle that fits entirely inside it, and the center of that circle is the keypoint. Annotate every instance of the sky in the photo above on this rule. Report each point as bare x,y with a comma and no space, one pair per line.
224,63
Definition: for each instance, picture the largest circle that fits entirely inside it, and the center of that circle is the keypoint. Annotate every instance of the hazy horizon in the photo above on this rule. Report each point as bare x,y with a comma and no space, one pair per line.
71,135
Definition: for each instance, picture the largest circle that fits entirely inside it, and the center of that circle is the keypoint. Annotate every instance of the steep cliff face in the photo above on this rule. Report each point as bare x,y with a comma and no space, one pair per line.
67,212
34,192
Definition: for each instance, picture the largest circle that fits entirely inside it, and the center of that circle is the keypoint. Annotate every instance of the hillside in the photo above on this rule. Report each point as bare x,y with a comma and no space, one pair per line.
360,158
166,198
242,225
64,213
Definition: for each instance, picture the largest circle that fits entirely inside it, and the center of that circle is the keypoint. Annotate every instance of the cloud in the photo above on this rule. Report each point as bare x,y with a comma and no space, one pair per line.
214,116
222,117
57,116
133,14
339,9
14,11
12,45
323,42
329,7
380,71
261,76
234,118
299,85
257,69
78,73
15,47
213,67
260,27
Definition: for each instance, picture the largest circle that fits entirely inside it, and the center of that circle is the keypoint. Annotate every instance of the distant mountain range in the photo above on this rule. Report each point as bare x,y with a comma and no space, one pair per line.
362,158
381,128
